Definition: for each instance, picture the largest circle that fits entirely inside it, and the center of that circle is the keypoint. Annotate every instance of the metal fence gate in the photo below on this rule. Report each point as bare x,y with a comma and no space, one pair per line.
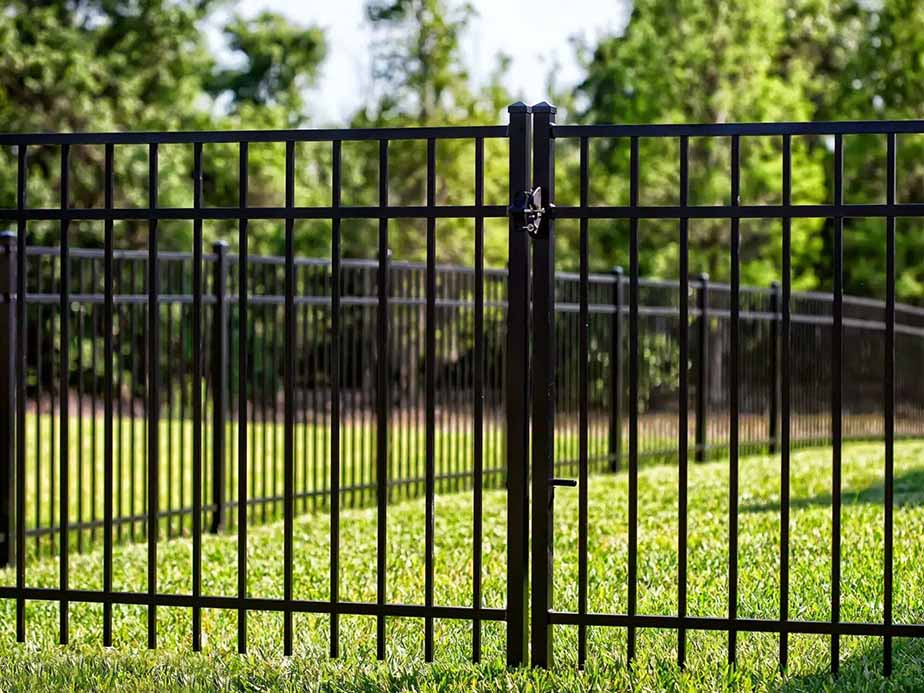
529,374
544,614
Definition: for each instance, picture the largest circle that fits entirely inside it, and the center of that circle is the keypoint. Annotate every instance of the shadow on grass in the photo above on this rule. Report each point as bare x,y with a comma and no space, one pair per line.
863,671
909,491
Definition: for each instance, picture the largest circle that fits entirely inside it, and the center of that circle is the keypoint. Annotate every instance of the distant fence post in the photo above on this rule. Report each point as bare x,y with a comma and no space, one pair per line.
7,396
773,428
219,383
702,370
615,432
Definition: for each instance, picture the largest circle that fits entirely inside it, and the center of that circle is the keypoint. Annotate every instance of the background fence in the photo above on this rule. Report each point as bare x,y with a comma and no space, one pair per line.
455,367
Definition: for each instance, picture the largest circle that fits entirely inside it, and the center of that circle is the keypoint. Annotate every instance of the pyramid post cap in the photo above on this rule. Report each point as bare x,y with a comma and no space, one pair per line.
544,107
518,107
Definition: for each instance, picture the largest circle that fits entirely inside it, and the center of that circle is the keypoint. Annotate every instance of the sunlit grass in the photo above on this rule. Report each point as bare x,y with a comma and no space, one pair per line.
84,664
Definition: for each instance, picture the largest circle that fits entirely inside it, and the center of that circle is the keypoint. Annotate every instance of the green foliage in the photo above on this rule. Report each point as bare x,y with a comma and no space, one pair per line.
280,62
781,60
144,64
421,79
710,62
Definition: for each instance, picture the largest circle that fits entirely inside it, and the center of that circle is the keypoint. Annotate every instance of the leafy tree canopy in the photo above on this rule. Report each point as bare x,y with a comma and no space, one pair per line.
721,61
144,64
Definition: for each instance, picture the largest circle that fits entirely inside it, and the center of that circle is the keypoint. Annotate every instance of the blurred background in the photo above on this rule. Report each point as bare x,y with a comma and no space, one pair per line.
210,64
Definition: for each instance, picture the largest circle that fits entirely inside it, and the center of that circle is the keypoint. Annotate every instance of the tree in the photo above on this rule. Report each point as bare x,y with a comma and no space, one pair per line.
866,65
720,61
144,65
280,61
420,78
713,62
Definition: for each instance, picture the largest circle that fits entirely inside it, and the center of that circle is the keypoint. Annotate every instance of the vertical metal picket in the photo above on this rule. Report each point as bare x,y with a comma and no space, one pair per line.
478,405
108,320
335,423
289,404
8,370
197,404
243,392
702,367
64,404
20,500
583,393
888,386
616,376
381,404
8,377
733,401
153,397
220,343
430,432
785,401
632,587
683,441
837,402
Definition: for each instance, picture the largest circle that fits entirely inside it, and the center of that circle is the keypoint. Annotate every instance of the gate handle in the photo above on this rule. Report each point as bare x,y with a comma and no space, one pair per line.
563,482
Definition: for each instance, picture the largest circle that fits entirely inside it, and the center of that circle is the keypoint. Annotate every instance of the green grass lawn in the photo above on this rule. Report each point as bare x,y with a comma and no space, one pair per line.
85,665
453,458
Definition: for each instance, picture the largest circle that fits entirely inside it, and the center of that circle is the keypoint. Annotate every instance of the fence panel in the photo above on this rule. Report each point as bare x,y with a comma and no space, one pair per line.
770,370
160,394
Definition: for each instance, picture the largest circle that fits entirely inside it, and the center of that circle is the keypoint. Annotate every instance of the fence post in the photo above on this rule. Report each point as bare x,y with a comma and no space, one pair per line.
615,432
517,394
219,383
702,371
542,375
773,429
7,397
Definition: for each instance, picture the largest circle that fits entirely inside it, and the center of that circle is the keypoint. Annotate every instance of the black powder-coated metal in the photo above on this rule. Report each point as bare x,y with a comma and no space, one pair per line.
632,587
516,388
535,342
243,452
683,395
542,390
837,406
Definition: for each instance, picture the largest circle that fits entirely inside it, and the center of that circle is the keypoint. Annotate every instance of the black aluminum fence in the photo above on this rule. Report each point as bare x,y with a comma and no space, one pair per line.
855,344
302,348
454,381
266,386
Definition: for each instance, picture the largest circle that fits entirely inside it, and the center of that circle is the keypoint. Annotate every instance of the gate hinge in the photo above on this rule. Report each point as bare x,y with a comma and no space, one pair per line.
527,211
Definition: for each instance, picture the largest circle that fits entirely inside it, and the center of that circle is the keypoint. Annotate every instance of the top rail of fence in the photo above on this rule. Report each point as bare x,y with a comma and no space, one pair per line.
236,136
465,132
858,127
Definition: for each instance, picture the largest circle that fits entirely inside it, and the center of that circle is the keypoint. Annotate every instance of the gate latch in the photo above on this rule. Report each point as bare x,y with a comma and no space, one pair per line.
527,210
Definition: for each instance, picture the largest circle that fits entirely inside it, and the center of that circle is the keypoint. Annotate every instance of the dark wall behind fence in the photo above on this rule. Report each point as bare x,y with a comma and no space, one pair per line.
659,371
